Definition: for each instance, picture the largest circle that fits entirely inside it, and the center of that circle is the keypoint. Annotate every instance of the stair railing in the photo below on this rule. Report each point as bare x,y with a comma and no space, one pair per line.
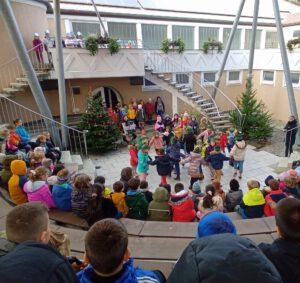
36,124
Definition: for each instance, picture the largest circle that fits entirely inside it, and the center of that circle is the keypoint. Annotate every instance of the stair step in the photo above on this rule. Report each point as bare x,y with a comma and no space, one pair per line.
23,79
179,86
210,109
19,85
220,122
221,127
185,89
148,69
10,90
190,94
41,73
215,118
66,157
201,101
172,83
207,105
76,158
195,97
167,79
161,76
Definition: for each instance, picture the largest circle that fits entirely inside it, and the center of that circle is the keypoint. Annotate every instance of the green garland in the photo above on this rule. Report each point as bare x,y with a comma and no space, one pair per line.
168,44
291,44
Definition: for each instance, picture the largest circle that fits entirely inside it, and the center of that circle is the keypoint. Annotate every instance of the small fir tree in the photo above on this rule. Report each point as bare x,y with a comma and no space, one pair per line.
103,133
256,122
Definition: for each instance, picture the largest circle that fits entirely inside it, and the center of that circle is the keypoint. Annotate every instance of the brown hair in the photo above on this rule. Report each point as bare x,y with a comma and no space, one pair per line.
63,174
144,185
126,173
41,137
133,184
105,245
118,187
274,185
290,182
26,221
82,181
210,192
217,186
100,180
37,174
178,187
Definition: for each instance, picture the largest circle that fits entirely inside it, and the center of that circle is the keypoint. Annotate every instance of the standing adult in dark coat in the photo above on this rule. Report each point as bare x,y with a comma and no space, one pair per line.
290,136
159,107
189,140
225,258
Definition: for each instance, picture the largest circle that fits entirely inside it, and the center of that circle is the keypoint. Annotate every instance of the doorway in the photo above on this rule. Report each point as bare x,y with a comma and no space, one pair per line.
109,95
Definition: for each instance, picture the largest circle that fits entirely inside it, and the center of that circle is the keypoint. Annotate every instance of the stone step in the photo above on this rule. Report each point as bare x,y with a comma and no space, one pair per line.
179,86
221,122
172,83
210,109
89,168
201,100
76,159
190,94
22,79
161,76
19,85
207,105
10,90
4,95
167,79
221,127
196,97
66,157
185,89
220,117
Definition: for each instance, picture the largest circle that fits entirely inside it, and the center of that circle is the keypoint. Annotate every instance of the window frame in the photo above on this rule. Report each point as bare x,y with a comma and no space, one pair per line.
266,82
294,85
150,87
207,83
266,47
234,82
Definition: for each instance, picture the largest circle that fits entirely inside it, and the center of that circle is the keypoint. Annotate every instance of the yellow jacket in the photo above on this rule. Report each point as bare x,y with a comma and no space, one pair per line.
119,201
131,114
178,132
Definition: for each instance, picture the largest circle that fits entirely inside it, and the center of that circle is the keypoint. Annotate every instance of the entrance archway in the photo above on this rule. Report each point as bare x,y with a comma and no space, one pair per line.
110,96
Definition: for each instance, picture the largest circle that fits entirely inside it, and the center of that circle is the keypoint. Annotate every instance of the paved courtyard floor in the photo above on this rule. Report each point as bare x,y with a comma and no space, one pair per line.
257,165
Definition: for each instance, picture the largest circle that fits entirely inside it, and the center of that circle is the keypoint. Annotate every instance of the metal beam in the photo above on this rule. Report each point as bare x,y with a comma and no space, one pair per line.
227,50
100,20
60,74
253,39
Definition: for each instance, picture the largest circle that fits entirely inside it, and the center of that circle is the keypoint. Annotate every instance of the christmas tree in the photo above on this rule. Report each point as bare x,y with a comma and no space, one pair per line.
103,133
256,122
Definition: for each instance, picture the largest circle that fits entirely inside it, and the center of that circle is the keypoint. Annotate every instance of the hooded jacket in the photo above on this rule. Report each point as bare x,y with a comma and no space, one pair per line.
6,172
6,246
182,207
291,128
39,191
159,208
119,201
174,152
253,203
61,194
223,258
238,151
233,198
217,160
195,160
133,157
271,199
137,205
149,108
285,256
17,181
190,141
130,274
23,134
143,165
163,164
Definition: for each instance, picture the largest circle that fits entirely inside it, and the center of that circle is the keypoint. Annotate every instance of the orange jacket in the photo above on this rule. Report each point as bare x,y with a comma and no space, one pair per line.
119,201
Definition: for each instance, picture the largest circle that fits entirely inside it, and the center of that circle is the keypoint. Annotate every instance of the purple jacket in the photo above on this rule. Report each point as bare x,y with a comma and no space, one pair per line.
39,191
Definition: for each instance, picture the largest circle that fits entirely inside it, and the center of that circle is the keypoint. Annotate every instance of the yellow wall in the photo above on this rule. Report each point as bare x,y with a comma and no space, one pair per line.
51,27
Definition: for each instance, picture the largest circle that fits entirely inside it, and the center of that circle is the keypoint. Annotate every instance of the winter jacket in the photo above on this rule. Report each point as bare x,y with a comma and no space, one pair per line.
195,160
17,181
291,128
137,205
133,157
163,164
143,166
35,262
174,152
23,134
285,256
159,208
216,159
157,142
294,192
79,201
13,138
238,151
195,126
205,135
131,114
223,141
6,173
159,107
61,194
253,203
233,198
148,195
149,108
119,201
190,141
6,246
178,131
182,207
140,115
39,191
130,274
271,199
223,258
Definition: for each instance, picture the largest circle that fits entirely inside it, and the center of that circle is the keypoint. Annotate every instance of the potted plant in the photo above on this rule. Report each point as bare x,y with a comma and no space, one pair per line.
91,44
167,45
291,44
113,46
212,45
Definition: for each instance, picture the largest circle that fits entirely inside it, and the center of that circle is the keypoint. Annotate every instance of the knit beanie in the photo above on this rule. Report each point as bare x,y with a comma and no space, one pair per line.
215,223
196,188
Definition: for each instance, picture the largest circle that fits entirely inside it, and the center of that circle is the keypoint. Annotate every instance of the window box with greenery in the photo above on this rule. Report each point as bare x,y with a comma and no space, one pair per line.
173,45
212,45
293,43
92,44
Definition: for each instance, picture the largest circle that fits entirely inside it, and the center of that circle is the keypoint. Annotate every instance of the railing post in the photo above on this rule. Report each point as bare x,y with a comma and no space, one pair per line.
84,141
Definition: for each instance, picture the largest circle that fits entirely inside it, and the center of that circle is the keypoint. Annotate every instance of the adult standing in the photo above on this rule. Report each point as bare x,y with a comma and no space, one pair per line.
159,107
290,136
149,108
238,153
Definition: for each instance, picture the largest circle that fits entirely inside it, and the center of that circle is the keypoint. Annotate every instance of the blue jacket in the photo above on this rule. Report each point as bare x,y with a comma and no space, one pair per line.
61,195
216,160
130,274
21,131
174,151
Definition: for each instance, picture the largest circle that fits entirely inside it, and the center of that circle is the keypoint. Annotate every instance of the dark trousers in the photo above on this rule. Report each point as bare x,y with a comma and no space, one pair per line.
288,148
177,168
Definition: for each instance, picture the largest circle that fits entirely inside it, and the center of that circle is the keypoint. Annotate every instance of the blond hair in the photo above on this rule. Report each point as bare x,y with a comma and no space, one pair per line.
252,184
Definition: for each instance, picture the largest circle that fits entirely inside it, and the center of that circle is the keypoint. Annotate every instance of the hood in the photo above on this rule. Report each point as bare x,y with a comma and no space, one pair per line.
179,198
18,167
7,160
52,180
254,197
32,187
160,195
241,144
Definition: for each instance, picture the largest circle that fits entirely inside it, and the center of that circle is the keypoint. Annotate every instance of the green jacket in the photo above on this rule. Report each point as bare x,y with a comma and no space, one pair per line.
137,205
159,208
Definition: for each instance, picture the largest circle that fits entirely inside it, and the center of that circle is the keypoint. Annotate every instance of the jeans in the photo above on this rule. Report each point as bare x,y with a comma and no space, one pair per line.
238,165
241,212
177,168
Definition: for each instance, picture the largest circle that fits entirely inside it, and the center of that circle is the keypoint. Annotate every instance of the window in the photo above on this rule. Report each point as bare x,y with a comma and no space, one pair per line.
248,36
153,35
234,77
185,33
76,90
150,86
86,28
271,39
236,43
182,78
208,78
268,77
206,33
126,32
296,33
295,77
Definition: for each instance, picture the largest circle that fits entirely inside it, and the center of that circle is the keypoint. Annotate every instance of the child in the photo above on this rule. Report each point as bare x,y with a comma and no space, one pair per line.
36,159
20,130
149,108
284,252
157,142
182,205
219,190
175,154
136,201
238,153
143,163
48,165
205,135
145,190
100,207
189,140
50,152
62,191
196,193
291,187
51,146
37,188
231,139
140,117
17,181
159,125
253,202
234,196
109,257
159,208
163,165
185,119
81,194
167,137
118,198
223,141
126,175
210,202
203,124
194,125
133,157
216,159
131,113
5,173
101,180
273,198
178,130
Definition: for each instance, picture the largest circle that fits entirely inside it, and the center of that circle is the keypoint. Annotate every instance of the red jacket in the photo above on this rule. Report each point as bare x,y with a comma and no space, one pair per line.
133,157
182,207
223,140
271,199
149,108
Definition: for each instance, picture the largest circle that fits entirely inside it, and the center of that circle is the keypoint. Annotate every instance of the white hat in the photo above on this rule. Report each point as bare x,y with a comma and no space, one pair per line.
36,34
140,106
47,31
79,33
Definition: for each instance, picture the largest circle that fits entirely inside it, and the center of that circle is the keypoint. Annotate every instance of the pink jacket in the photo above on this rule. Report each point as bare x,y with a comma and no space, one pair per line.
157,142
39,191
